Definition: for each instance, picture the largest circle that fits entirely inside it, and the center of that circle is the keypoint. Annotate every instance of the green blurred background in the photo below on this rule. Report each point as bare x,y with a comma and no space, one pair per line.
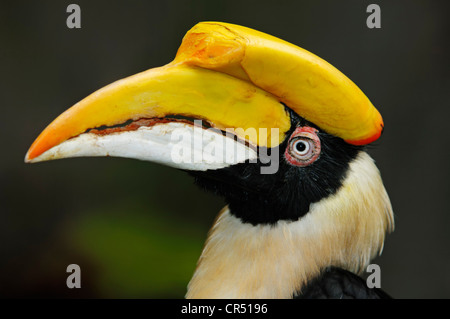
137,229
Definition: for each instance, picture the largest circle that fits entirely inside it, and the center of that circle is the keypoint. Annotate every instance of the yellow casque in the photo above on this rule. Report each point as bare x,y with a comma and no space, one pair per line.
309,85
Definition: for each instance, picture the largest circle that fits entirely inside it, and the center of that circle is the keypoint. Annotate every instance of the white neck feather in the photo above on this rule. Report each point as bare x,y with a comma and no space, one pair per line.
345,230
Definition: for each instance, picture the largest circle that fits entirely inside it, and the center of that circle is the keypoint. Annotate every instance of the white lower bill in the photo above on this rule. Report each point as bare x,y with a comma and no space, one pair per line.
175,144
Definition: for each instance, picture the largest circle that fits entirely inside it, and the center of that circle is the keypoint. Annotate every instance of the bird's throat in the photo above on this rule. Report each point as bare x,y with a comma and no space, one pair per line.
245,261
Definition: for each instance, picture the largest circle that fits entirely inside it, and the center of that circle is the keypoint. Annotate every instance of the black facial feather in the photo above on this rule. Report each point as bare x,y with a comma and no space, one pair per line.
286,195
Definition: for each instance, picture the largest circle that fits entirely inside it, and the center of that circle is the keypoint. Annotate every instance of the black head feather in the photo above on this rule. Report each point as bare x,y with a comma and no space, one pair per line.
287,194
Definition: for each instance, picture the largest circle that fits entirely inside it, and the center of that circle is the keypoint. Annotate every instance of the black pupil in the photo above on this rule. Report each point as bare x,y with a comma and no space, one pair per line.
300,146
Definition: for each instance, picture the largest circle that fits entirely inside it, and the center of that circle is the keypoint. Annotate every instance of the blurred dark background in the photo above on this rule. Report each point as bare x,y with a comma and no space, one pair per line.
136,228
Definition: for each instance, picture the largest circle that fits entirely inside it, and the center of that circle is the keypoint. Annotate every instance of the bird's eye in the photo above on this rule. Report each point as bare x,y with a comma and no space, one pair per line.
304,147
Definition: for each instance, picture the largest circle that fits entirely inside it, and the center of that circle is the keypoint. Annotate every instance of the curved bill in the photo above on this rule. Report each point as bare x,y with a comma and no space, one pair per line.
162,112
233,79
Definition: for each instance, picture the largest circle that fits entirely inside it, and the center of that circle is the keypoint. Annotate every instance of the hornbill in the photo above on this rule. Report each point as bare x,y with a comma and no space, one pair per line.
275,130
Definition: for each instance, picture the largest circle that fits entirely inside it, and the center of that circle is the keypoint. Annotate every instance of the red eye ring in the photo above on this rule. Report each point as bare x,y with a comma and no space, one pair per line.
304,147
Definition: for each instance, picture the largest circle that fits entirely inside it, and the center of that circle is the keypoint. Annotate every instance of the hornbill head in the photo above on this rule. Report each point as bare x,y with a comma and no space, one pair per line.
275,130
